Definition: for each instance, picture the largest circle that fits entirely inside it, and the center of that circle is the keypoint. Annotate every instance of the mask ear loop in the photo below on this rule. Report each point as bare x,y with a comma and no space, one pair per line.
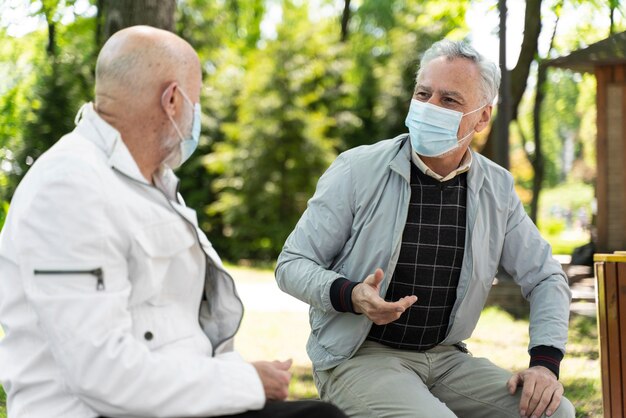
180,134
461,141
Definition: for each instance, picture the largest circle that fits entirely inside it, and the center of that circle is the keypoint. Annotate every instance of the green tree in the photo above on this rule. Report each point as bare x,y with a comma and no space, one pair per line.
279,143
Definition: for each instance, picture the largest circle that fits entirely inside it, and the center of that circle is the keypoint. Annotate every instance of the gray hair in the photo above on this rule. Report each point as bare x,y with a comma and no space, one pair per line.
489,71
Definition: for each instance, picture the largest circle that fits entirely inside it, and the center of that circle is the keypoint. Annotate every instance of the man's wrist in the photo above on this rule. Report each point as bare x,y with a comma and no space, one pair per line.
341,294
546,356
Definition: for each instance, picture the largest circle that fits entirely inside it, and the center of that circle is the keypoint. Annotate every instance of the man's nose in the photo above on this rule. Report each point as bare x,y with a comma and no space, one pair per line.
434,100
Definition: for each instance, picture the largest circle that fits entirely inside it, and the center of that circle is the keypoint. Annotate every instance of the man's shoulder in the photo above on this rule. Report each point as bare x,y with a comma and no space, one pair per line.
381,152
71,152
72,161
491,170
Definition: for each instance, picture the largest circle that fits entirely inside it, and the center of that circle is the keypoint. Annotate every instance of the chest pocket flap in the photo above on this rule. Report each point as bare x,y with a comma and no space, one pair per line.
154,250
165,239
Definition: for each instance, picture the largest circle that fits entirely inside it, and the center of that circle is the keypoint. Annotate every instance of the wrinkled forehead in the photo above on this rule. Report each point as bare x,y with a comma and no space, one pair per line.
457,76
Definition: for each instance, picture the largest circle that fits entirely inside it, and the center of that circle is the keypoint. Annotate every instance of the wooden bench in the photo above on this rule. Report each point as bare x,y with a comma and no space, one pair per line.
611,295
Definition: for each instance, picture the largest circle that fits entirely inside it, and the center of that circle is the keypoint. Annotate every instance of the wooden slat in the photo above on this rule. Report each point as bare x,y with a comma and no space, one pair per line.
619,76
623,191
602,336
613,339
603,75
621,299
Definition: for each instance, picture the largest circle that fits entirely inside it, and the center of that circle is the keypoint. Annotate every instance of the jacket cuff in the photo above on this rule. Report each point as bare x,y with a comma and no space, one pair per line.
341,294
546,356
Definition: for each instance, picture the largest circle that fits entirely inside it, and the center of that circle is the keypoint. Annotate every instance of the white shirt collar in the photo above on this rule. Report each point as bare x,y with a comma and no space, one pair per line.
464,166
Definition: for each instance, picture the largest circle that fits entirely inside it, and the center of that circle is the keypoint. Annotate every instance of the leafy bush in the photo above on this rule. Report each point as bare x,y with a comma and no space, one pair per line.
4,209
551,226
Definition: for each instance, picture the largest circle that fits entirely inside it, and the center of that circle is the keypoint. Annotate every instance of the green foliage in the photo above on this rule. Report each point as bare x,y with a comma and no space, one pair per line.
279,103
44,91
560,212
4,210
280,143
279,108
3,403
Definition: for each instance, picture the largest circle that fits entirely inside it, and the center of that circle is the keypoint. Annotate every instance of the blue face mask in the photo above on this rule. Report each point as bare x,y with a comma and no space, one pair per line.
433,129
188,145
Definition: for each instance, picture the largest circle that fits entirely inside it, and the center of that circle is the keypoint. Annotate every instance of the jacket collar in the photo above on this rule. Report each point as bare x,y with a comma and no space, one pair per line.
109,140
401,162
476,174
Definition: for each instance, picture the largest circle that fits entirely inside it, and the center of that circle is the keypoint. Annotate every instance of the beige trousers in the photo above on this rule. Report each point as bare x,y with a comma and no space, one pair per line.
443,382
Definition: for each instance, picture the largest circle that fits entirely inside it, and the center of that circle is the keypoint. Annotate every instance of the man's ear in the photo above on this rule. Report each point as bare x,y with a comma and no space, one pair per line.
169,99
485,117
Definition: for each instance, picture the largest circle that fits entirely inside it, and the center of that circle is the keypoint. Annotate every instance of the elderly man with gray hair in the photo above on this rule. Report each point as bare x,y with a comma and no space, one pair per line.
397,252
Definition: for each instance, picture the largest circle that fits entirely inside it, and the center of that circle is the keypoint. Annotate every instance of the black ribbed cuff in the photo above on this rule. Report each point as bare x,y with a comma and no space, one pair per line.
546,356
341,294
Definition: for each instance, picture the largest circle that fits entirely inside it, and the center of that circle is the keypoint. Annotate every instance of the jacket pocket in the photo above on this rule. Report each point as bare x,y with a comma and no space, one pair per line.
152,251
161,326
97,273
66,277
74,300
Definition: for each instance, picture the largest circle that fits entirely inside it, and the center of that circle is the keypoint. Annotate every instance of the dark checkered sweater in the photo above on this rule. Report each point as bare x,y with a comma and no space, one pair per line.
429,265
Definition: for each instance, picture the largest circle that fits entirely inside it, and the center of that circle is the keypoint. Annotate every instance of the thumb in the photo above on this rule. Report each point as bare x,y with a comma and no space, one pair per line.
376,278
283,365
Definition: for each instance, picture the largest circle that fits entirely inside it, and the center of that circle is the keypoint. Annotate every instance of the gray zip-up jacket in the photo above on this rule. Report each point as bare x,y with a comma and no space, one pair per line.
354,224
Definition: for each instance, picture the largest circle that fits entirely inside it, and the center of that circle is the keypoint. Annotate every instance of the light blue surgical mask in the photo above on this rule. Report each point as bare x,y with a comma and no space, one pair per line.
188,145
433,129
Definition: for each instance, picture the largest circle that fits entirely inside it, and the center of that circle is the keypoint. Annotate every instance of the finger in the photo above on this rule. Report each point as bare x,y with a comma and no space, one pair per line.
284,377
527,392
513,383
283,365
539,401
406,302
384,309
556,400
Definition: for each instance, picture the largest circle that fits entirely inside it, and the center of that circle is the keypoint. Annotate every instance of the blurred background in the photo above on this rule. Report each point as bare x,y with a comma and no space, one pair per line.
290,84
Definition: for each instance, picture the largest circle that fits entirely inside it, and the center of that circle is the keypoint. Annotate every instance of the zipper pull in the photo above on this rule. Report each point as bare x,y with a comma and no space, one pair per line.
99,279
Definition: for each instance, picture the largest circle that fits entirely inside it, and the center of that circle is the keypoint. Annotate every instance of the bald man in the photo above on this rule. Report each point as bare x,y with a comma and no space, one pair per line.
113,302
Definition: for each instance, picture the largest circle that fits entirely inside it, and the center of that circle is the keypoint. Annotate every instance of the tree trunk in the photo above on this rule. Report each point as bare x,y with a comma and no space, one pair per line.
519,74
537,161
119,14
345,21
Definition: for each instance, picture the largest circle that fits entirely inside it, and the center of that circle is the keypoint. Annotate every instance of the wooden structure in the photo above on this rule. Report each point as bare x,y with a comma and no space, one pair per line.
607,60
611,305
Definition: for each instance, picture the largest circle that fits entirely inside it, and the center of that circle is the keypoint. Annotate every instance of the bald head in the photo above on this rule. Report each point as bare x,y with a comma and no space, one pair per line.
140,58
147,81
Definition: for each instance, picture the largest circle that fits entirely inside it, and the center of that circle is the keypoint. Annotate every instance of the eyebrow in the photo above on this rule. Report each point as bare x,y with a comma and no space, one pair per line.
449,93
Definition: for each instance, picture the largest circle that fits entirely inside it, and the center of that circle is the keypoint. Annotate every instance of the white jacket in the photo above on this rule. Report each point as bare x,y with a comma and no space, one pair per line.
112,300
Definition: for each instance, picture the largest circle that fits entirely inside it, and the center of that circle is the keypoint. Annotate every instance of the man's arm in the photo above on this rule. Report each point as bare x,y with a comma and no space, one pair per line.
304,266
68,229
528,258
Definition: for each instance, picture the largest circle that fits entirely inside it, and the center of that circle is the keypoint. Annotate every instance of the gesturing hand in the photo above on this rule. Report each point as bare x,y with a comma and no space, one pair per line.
275,377
366,300
541,391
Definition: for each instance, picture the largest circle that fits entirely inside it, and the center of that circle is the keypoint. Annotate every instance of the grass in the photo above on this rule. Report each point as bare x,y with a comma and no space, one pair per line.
267,335
281,335
567,196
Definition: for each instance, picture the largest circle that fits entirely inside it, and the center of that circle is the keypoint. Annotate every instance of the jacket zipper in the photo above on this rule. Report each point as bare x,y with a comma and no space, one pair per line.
206,256
95,272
